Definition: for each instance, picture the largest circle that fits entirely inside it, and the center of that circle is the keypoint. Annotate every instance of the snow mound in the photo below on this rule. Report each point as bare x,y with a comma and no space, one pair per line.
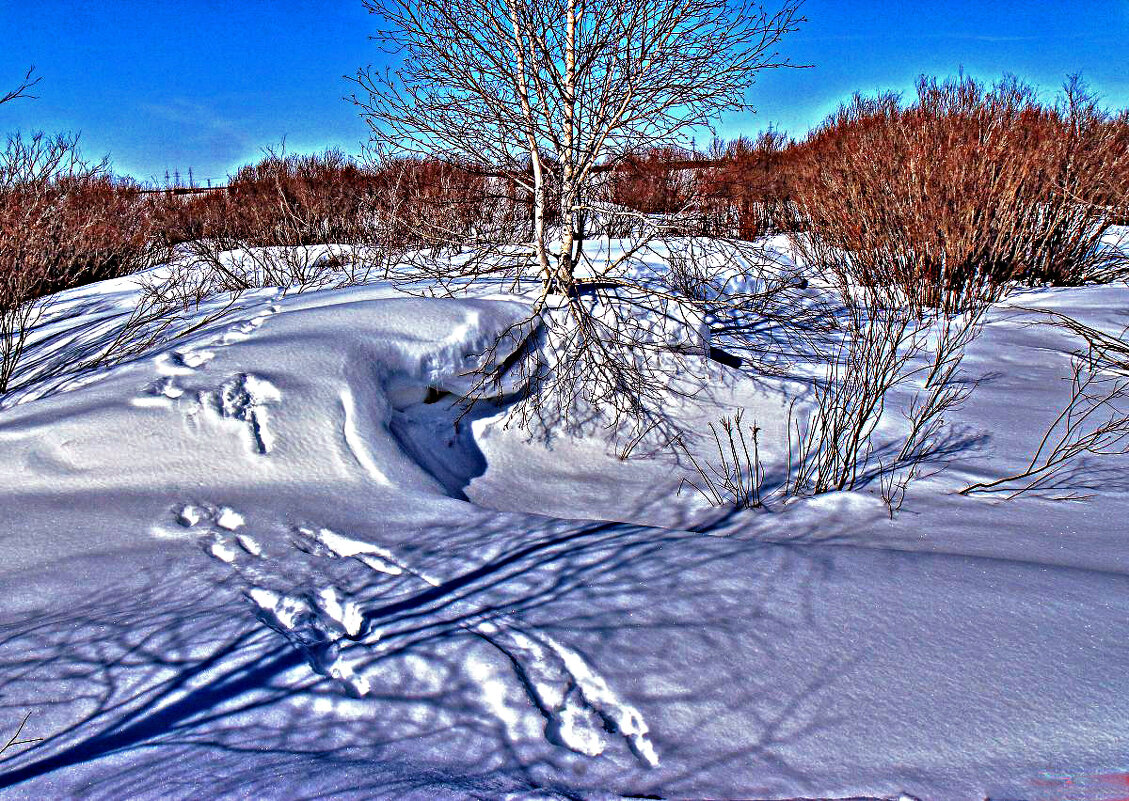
313,383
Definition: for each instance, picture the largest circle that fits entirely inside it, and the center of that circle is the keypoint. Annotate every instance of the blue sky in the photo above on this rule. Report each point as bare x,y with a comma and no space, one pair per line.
173,84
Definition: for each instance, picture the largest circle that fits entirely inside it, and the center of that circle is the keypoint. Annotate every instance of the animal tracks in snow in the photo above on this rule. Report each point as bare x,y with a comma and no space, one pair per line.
579,707
245,398
219,528
187,360
234,401
182,362
350,605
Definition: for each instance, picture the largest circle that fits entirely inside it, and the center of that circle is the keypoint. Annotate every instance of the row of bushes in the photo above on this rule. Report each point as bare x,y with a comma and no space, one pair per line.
962,189
964,185
64,221
327,198
735,189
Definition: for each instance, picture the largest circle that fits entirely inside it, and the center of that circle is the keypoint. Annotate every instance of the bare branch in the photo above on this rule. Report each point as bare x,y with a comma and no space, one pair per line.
1094,421
22,90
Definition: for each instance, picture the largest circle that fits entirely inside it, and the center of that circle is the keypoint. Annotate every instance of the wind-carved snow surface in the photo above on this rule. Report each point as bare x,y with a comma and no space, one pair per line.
355,440
319,409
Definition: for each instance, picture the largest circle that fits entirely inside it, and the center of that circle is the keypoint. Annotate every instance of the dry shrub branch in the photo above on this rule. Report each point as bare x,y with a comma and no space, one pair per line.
883,349
1094,421
735,477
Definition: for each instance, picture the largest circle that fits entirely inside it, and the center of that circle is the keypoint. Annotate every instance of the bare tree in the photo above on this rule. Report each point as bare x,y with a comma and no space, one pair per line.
543,95
543,92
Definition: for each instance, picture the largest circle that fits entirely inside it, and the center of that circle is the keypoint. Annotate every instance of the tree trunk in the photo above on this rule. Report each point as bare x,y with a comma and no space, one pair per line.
568,257
540,246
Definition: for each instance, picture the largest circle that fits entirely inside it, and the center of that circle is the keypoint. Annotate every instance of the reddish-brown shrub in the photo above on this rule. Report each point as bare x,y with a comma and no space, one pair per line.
745,190
185,217
297,200
964,189
329,198
283,200
657,181
63,223
738,189
428,202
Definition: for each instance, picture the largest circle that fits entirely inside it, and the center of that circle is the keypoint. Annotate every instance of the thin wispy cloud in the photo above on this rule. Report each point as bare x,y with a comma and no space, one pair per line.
187,112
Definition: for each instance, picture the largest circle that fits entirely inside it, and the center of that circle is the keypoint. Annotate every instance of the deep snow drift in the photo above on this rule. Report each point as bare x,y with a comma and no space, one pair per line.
265,561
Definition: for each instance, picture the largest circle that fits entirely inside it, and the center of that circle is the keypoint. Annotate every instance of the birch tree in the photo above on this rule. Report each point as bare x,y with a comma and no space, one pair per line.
543,91
545,94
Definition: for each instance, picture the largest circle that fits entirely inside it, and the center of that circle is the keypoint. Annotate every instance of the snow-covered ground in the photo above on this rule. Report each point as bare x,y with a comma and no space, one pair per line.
257,562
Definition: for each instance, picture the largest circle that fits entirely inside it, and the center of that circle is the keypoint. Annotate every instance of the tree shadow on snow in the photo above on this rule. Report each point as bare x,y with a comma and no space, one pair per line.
177,690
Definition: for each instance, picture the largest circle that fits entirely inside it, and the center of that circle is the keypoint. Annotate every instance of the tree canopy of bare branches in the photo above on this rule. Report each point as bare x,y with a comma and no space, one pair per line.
543,92
543,97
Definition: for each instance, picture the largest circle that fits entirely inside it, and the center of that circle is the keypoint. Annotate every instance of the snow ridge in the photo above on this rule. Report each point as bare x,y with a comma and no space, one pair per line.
355,442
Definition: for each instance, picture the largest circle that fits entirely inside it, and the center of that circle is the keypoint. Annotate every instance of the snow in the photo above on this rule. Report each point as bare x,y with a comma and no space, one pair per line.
255,562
